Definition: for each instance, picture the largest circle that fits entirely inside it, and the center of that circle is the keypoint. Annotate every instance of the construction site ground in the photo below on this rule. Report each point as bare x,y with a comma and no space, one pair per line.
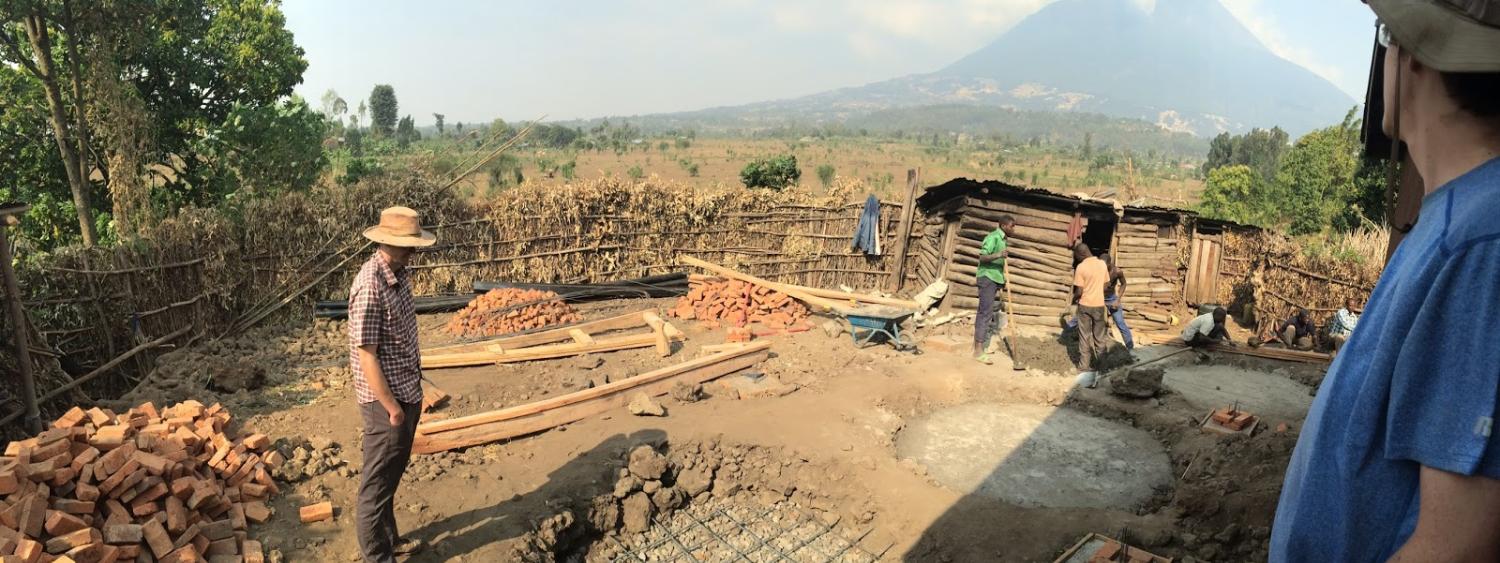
912,457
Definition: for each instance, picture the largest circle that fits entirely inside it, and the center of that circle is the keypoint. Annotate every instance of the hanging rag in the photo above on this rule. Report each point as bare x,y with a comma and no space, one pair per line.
1075,229
867,234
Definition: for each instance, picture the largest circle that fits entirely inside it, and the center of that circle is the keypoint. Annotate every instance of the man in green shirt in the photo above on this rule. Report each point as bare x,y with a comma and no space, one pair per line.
990,278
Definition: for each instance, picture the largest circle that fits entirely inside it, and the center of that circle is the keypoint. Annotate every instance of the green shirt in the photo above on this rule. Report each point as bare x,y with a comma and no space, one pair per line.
994,243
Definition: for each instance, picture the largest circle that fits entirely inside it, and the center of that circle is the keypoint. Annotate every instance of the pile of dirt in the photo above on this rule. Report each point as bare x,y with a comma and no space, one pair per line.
1060,355
1227,500
509,310
738,304
656,481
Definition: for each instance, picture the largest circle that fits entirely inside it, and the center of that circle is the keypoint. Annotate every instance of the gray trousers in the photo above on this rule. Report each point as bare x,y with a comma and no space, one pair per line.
1093,336
387,450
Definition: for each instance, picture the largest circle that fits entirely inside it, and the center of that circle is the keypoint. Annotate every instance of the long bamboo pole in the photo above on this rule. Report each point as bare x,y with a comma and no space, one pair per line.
19,333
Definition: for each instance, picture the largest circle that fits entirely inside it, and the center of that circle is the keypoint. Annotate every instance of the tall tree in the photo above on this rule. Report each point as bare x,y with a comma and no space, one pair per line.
438,117
39,62
406,132
383,109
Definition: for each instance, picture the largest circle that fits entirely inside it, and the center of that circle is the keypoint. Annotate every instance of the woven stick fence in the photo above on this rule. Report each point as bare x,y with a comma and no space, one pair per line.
213,272
1267,276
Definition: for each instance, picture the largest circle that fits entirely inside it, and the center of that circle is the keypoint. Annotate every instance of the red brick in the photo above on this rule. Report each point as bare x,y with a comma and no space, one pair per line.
29,550
184,554
90,553
176,515
73,417
61,523
157,538
316,512
65,542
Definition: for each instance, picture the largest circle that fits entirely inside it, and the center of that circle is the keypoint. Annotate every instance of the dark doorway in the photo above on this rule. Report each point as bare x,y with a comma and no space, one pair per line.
1099,233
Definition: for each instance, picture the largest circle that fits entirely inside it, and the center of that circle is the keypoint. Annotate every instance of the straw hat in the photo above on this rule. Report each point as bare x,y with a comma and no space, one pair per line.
400,226
1447,35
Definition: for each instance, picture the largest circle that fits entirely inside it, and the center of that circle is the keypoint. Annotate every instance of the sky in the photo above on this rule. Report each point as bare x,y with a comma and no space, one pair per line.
477,60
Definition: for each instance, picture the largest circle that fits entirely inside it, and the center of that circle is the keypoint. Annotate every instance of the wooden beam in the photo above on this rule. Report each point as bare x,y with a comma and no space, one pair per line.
628,320
33,418
659,330
541,415
903,232
819,304
498,355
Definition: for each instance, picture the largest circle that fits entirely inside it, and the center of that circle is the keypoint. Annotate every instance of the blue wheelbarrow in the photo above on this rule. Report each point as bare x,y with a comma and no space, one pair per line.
867,322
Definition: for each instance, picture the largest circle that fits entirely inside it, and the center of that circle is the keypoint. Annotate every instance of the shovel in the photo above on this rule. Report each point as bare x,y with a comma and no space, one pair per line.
1010,323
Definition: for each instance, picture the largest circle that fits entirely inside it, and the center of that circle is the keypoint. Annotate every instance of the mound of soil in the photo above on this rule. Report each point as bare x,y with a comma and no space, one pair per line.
1060,355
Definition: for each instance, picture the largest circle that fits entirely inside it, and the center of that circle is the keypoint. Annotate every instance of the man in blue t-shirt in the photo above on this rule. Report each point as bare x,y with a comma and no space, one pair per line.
1399,459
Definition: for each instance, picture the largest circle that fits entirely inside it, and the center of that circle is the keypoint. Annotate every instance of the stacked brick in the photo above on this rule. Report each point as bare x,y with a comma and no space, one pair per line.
739,304
507,310
1233,419
169,485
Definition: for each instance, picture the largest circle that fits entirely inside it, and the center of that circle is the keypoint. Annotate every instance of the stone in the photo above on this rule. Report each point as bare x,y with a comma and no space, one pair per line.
833,329
685,393
1140,383
696,480
650,487
668,498
626,485
642,404
636,512
605,514
646,464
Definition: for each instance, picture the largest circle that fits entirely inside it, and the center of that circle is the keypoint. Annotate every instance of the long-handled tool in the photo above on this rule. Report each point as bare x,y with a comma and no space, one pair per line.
1010,322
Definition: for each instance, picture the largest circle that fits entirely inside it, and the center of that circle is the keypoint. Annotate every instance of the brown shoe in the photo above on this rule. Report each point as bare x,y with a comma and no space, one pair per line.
408,546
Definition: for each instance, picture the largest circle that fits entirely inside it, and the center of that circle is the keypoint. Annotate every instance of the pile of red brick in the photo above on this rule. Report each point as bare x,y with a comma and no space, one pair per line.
169,485
1233,419
738,304
506,311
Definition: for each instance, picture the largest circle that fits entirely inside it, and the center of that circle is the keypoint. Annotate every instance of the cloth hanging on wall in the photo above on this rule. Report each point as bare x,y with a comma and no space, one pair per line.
867,234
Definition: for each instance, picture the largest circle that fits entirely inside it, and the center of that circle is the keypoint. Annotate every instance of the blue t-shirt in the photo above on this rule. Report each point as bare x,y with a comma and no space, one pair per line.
1415,386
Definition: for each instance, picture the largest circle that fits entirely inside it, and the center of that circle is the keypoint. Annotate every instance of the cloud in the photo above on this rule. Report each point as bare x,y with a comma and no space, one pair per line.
873,28
1254,15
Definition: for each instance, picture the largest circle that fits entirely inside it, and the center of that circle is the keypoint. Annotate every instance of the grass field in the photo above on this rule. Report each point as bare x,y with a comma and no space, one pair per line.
881,164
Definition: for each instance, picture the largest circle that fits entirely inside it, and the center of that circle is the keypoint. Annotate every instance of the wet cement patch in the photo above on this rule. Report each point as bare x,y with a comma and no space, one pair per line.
1275,397
1037,456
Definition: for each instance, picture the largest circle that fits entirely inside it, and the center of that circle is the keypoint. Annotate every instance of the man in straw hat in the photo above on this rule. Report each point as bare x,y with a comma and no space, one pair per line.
1399,458
387,365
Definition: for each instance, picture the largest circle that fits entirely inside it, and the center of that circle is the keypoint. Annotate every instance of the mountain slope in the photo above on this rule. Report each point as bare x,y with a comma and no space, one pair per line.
1187,66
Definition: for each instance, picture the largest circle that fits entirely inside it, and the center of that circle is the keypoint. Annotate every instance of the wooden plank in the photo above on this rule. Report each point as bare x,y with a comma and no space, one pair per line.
580,337
505,356
542,415
1013,209
628,320
659,330
903,232
817,303
523,410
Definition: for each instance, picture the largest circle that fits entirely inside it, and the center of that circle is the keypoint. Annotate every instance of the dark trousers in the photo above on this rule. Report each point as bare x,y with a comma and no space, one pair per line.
1093,336
387,450
989,319
1218,334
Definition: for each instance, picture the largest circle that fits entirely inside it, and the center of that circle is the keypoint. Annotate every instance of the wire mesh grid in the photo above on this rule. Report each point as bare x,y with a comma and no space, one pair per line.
714,532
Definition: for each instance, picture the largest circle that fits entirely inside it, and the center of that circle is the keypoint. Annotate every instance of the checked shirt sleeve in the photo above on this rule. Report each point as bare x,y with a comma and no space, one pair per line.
366,315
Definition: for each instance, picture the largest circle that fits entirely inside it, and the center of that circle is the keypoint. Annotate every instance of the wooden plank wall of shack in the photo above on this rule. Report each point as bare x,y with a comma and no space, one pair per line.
1041,272
206,270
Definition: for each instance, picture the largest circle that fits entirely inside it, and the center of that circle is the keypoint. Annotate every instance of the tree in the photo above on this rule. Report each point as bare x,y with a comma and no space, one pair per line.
406,132
1260,149
1317,177
1234,193
383,109
825,174
771,173
438,118
334,106
248,165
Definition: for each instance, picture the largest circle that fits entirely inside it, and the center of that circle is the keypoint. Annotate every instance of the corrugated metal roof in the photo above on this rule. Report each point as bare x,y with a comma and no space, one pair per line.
960,187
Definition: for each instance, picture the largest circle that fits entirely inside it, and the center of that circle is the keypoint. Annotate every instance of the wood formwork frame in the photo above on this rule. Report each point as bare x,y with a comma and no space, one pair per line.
575,340
534,417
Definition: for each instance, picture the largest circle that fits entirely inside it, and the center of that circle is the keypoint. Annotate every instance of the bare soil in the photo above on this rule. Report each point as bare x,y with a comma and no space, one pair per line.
829,450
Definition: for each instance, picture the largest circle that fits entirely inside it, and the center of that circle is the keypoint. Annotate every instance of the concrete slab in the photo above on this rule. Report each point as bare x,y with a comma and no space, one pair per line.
1037,456
1272,397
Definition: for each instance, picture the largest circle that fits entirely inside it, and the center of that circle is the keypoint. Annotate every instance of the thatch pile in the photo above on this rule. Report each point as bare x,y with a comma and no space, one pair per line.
509,310
1267,276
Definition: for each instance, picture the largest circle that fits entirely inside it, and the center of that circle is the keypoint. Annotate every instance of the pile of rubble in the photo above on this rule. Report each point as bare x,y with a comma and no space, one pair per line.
738,304
173,484
508,310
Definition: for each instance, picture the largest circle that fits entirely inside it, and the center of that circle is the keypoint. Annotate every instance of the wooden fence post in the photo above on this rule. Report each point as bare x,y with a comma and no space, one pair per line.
903,233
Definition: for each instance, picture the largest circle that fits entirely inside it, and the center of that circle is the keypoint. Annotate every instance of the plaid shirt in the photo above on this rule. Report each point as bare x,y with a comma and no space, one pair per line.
381,313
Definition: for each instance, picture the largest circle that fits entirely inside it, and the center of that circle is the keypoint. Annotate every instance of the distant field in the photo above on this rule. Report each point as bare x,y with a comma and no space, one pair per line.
880,164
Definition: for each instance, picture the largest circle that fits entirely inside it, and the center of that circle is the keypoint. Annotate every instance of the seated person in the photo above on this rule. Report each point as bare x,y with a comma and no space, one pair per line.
1296,332
1207,329
1343,323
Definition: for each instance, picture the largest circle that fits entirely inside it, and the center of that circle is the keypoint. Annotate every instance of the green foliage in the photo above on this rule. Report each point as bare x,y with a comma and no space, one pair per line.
383,110
437,118
771,173
259,150
568,169
683,143
1260,149
635,172
354,139
825,174
663,146
1321,184
406,132
356,169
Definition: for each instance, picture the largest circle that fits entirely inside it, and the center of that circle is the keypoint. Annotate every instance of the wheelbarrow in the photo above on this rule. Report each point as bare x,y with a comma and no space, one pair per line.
868,322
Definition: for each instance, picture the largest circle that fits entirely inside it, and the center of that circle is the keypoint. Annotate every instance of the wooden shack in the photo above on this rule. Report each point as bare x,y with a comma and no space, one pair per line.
1148,243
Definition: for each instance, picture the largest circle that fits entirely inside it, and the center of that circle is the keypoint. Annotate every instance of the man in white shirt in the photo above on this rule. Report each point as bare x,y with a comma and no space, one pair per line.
1207,328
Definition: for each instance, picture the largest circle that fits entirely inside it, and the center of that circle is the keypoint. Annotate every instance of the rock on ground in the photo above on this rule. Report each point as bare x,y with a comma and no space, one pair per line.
646,464
685,393
642,404
696,480
1140,383
636,510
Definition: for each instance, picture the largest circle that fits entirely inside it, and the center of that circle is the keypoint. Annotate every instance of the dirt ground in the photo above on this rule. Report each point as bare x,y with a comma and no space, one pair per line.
831,450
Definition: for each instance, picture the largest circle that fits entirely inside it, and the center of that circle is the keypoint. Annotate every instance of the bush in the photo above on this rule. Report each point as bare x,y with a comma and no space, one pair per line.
771,173
359,168
635,172
825,175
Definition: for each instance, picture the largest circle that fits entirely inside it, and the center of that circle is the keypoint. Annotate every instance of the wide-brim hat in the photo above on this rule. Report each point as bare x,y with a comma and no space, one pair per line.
1446,35
400,226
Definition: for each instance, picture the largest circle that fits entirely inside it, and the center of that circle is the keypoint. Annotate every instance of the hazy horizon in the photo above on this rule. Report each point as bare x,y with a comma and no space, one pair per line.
477,61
